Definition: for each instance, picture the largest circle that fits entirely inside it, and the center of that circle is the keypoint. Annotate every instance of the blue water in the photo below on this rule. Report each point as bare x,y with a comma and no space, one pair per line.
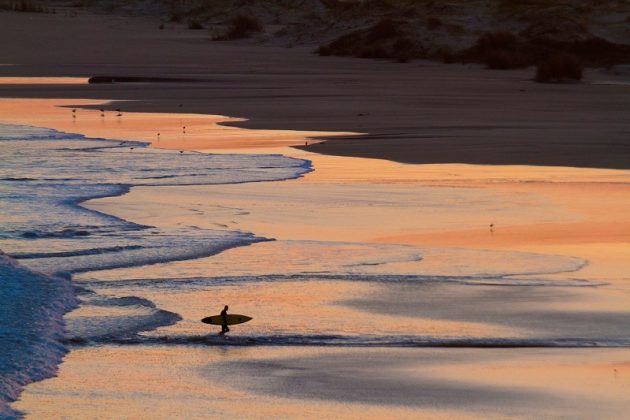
44,176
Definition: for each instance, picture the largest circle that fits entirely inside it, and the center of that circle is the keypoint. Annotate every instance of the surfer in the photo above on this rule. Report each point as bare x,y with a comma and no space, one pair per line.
225,319
224,324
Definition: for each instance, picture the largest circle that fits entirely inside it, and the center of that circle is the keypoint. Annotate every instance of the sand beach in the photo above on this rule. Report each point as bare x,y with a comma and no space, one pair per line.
412,264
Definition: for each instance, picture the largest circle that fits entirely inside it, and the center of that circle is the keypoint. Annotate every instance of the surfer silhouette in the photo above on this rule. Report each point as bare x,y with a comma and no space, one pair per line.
224,325
225,319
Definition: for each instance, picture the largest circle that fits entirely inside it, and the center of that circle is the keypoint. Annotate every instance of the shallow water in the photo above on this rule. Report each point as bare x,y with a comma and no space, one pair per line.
300,258
196,381
44,176
369,294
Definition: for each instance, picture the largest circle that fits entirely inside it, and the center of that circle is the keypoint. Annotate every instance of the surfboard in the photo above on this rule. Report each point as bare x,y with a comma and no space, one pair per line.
232,319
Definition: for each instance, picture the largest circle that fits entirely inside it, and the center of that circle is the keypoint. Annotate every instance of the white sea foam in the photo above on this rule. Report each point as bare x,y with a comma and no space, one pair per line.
31,310
100,318
347,260
44,176
24,132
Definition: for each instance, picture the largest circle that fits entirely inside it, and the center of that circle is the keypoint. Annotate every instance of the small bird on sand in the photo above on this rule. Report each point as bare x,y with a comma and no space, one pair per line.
74,113
131,148
181,151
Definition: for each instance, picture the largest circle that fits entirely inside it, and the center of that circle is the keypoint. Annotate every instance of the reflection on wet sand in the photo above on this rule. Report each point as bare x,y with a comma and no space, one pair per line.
282,382
6,80
166,131
371,219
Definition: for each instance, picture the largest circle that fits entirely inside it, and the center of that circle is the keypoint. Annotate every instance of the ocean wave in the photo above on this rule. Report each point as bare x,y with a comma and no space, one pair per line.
13,131
47,169
31,310
148,250
76,253
64,233
124,318
507,281
82,169
44,177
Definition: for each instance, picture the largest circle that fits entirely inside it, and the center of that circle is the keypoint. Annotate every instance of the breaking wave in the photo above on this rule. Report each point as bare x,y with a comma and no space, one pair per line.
44,176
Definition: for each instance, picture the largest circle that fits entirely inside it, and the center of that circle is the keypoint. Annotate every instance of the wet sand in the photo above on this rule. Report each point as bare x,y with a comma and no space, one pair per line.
166,131
349,383
318,221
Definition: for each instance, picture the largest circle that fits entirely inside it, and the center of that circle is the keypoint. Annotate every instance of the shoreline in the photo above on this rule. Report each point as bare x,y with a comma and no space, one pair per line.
353,170
352,173
205,134
543,143
46,362
419,112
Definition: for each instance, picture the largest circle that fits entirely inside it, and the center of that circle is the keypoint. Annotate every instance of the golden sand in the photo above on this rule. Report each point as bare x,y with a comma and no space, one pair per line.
598,198
167,131
569,211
